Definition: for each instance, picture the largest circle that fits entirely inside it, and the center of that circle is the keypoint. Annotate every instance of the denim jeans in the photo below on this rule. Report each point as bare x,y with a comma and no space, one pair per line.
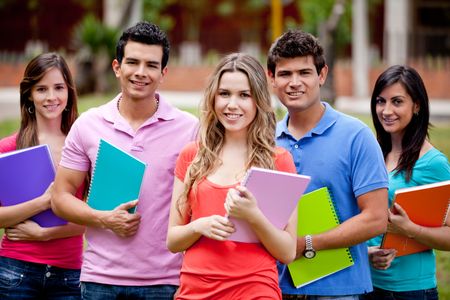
24,280
380,294
348,297
98,291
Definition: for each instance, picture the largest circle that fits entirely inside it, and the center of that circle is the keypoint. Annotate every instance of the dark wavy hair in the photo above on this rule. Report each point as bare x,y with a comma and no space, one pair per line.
417,130
145,33
295,43
34,72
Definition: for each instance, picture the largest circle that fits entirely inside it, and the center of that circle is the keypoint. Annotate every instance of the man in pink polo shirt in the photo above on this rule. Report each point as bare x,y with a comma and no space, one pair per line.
126,256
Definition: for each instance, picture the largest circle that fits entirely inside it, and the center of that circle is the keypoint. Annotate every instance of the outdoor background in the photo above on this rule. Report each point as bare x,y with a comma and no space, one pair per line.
361,38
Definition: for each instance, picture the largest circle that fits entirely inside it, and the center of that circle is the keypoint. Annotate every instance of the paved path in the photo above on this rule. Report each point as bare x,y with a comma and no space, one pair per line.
439,108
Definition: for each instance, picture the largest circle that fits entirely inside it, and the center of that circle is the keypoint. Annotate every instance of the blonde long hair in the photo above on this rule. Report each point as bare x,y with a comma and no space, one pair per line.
261,132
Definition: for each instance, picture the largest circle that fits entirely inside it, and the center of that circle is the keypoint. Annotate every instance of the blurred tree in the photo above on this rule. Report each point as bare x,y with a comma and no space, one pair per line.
96,43
153,11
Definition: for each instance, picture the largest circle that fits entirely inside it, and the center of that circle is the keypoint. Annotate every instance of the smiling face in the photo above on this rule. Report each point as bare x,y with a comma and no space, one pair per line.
234,104
50,95
140,71
297,84
395,108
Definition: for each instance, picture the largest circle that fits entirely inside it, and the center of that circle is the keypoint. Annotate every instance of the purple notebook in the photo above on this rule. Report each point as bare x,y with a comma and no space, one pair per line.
26,174
277,194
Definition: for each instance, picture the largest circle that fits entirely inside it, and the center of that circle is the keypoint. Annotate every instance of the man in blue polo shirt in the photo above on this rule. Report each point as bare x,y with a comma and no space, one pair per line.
338,152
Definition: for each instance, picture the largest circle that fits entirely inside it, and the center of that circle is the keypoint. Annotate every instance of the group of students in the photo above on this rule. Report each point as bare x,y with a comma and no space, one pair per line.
175,246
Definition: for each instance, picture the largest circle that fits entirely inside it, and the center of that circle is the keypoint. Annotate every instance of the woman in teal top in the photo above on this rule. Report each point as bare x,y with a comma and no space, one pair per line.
400,113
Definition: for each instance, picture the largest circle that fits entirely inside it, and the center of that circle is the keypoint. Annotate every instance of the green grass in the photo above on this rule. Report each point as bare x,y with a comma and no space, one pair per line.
439,136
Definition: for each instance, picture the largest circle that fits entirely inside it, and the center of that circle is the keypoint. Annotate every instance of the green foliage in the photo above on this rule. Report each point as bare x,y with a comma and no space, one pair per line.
92,35
313,13
153,12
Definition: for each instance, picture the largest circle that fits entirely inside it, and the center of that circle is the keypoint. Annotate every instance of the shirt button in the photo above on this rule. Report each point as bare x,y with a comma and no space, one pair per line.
48,274
296,146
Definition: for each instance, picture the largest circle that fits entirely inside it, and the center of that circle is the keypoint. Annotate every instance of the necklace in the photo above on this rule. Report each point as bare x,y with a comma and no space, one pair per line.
120,99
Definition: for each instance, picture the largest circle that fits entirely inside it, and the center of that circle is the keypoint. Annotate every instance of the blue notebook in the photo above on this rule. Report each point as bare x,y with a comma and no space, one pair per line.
116,178
26,174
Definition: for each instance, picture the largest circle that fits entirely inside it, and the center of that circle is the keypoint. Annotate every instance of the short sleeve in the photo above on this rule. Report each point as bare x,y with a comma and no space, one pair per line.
284,161
184,159
437,170
8,143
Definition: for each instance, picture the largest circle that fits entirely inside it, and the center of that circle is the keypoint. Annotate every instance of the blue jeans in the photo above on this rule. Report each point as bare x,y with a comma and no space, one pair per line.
349,297
380,294
25,280
98,291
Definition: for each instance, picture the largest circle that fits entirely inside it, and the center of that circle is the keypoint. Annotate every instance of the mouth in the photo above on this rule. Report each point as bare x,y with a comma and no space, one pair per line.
138,83
51,107
295,94
389,121
232,116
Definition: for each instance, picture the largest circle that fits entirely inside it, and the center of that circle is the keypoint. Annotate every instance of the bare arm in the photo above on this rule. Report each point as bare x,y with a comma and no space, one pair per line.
240,203
182,234
370,222
67,206
434,237
12,215
31,231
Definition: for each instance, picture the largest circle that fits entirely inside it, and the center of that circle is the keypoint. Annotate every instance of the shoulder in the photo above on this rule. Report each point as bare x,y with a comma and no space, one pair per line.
284,160
437,164
189,151
8,143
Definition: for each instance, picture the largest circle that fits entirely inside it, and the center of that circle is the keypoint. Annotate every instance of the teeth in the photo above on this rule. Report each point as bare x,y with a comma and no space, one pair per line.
139,83
232,116
296,93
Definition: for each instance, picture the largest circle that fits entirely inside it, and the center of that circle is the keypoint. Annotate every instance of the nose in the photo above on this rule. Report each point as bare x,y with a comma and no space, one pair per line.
232,104
140,71
295,80
387,109
51,94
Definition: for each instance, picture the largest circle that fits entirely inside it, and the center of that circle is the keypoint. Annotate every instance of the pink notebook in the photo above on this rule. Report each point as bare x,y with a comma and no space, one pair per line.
277,194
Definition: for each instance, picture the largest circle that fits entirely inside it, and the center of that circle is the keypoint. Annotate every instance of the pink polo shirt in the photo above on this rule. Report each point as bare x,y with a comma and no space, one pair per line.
142,259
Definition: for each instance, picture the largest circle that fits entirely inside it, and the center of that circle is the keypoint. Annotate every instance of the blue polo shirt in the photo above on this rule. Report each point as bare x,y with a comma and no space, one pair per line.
342,154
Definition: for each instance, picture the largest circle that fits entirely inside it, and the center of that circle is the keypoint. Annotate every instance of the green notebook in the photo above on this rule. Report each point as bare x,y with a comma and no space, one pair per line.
316,214
116,178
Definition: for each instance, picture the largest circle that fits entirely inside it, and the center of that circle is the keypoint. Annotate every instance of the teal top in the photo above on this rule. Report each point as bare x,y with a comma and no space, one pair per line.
415,271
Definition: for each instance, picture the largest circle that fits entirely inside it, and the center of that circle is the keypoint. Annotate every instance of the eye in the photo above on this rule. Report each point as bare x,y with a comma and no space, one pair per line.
41,89
380,101
246,95
224,93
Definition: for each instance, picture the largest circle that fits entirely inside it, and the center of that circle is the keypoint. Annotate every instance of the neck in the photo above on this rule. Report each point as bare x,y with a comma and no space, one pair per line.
300,122
49,126
137,112
396,142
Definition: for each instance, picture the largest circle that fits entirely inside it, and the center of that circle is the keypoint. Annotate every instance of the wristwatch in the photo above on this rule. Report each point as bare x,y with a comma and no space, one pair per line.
309,250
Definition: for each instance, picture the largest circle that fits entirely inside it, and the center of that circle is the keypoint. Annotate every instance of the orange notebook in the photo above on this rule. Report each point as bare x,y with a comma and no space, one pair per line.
426,205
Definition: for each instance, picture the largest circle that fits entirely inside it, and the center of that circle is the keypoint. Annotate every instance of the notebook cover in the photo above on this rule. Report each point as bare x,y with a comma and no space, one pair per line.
317,214
26,174
426,205
116,178
277,194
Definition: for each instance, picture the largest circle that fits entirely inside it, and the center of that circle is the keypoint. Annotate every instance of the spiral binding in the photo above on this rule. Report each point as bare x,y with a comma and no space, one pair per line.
93,169
336,214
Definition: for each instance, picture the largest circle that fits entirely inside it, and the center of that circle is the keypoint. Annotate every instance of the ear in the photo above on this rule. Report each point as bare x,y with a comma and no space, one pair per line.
323,75
416,108
163,73
271,77
116,67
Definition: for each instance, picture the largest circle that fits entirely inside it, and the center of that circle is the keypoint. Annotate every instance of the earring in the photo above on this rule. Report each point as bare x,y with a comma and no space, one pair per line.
66,109
416,113
30,110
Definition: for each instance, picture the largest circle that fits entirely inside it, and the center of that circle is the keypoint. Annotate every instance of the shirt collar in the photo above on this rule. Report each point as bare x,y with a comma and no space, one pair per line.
165,110
328,119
